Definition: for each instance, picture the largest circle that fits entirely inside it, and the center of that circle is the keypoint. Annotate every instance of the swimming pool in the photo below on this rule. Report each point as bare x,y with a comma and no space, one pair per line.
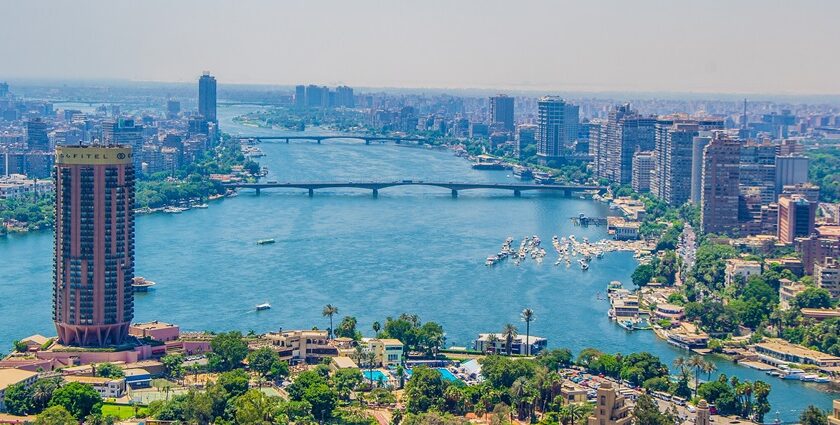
376,375
447,375
444,373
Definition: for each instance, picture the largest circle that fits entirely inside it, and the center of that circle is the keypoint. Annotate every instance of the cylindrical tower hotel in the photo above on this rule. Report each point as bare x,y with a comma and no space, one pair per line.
94,244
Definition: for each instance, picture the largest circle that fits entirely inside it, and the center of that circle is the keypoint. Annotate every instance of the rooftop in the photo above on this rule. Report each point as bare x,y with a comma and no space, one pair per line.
13,376
93,380
782,346
153,325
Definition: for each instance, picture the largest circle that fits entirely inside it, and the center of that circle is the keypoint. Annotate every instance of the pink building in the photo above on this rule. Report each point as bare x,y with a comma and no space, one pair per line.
155,330
93,301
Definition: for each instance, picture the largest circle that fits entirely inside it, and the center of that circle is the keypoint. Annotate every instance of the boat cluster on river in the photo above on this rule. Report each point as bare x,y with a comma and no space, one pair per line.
568,249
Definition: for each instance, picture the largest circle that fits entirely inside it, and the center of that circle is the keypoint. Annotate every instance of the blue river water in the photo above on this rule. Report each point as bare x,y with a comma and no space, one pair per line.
412,249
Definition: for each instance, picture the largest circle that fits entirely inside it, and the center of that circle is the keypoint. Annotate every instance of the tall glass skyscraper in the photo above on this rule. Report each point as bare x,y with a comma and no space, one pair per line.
207,97
93,301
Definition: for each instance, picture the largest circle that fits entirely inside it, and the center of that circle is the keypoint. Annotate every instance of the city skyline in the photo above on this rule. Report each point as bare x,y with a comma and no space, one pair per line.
708,48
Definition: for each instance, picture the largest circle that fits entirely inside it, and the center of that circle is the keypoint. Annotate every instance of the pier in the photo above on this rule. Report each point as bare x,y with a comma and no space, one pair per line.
454,187
589,221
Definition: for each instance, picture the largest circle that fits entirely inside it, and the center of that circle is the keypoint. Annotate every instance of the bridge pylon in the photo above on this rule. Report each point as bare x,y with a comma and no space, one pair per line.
454,193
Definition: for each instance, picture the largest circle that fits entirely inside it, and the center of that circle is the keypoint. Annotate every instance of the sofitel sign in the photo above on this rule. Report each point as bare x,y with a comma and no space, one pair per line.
92,155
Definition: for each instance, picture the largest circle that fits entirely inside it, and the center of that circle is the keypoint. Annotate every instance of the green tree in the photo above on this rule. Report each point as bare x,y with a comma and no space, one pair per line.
813,415
228,350
254,407
527,317
235,382
555,359
42,392
267,363
109,370
18,400
813,298
347,328
573,413
173,364
643,274
424,390
79,399
346,380
330,311
647,412
56,415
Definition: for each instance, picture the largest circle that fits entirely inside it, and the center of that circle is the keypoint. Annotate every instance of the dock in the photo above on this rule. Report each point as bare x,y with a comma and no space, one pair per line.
589,221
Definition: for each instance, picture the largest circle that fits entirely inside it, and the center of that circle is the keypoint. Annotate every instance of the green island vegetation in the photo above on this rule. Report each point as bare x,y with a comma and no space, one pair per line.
240,385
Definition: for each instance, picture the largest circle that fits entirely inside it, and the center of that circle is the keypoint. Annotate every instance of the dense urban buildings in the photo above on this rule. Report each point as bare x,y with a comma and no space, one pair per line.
207,97
93,300
625,133
719,197
671,181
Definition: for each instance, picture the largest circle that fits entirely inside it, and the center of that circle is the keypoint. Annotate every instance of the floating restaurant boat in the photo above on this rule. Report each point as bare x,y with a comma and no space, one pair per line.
265,241
263,306
140,284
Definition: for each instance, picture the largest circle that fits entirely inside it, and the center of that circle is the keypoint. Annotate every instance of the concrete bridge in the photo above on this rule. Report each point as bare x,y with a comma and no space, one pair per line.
454,187
320,138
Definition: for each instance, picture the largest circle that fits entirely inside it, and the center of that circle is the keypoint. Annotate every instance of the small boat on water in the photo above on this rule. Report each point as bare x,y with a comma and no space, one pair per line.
583,265
201,206
174,210
265,241
263,306
140,284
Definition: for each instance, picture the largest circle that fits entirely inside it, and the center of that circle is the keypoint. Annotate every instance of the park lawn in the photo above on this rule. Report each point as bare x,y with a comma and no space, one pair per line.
122,411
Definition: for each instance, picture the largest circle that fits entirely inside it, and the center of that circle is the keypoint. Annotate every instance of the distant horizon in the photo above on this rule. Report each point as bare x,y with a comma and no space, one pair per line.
467,91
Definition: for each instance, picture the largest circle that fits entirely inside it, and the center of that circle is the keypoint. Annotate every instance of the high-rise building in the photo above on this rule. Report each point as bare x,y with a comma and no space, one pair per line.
643,165
626,133
796,217
557,121
316,96
344,97
719,198
300,96
173,108
36,135
698,143
125,131
671,181
791,169
526,135
809,191
758,169
501,111
4,89
93,301
207,97
610,408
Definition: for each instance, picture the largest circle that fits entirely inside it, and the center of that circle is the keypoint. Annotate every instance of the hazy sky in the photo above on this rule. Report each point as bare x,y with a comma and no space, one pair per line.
743,46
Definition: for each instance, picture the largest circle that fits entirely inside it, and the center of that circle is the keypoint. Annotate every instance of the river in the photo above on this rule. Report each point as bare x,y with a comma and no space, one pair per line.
413,249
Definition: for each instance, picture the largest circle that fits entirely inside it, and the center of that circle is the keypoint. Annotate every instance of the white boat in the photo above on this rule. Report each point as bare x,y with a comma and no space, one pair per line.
201,206
263,306
822,379
794,374
809,377
140,284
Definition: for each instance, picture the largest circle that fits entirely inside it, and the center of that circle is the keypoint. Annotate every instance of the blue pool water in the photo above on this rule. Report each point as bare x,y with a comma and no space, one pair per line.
376,375
444,373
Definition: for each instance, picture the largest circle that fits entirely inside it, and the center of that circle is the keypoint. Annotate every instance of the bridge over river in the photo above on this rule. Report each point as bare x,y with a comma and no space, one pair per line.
320,138
454,187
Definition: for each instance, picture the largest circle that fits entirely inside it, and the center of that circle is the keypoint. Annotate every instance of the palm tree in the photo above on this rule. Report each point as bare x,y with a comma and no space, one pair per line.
697,363
330,310
572,412
709,367
401,375
509,333
376,327
492,339
528,317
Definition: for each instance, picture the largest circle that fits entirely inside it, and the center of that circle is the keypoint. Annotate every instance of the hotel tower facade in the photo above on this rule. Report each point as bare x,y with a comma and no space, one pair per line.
93,301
